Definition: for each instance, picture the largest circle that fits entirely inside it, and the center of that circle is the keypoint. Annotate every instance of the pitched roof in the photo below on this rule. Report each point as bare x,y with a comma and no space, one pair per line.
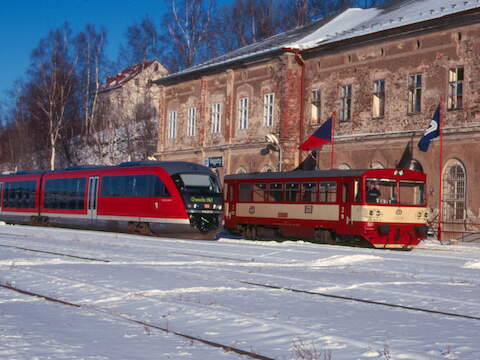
351,23
125,75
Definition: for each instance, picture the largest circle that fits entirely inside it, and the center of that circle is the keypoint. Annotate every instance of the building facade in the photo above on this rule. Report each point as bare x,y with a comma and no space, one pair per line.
126,116
381,77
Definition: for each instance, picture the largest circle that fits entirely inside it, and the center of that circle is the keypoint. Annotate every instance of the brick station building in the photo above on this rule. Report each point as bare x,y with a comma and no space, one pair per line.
382,71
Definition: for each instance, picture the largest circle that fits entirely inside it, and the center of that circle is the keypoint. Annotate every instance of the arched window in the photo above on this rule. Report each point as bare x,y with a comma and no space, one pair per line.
454,190
344,166
241,170
376,165
415,165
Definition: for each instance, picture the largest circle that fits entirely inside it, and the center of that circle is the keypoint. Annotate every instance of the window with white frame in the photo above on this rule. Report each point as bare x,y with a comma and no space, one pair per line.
316,106
243,113
268,107
172,125
455,88
414,93
191,121
346,103
216,117
454,191
378,106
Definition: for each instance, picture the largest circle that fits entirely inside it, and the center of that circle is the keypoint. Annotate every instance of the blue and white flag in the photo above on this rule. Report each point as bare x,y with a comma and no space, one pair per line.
432,132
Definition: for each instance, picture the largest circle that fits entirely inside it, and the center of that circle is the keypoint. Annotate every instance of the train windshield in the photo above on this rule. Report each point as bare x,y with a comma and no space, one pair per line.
198,183
390,191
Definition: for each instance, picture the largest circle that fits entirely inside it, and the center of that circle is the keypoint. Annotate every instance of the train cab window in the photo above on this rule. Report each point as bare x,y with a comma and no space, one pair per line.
275,192
259,192
245,192
382,191
292,192
412,193
328,191
309,192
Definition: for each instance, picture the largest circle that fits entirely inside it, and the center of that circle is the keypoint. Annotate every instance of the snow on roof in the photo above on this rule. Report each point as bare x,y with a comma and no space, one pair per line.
125,75
401,13
349,24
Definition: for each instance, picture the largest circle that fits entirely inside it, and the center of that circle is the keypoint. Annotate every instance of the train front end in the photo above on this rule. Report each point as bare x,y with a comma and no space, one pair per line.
394,212
202,196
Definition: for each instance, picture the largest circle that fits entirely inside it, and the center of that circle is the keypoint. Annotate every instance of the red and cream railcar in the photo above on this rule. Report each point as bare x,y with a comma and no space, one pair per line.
384,208
177,198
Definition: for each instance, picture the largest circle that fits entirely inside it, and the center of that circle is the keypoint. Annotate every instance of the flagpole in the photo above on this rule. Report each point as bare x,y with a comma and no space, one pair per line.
440,197
333,136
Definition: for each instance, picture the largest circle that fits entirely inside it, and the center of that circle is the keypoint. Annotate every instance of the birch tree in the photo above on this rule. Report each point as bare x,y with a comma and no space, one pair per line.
188,27
90,53
52,84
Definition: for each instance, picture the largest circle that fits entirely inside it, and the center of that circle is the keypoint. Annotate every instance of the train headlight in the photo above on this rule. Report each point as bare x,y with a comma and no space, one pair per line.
378,213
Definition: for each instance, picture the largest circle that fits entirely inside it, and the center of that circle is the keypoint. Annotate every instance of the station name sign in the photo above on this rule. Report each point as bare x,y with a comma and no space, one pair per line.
214,161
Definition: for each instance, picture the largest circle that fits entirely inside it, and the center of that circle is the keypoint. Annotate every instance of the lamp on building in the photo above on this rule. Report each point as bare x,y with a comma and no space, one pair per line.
273,144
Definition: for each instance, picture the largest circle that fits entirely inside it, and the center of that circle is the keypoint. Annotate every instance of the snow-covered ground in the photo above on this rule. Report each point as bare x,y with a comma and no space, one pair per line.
201,289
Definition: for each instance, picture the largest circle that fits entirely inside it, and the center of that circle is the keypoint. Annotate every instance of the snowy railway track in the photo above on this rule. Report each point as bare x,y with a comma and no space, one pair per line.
252,261
268,286
226,348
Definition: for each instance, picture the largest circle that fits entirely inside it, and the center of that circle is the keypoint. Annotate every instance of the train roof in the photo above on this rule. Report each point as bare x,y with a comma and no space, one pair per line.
302,174
171,167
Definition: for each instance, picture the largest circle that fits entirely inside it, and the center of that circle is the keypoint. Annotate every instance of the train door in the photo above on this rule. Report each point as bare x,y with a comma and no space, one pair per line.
229,201
1,196
346,205
92,197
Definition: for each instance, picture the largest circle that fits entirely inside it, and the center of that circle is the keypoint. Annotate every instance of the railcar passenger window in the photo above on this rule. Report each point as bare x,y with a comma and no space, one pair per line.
147,185
259,192
245,192
292,192
65,194
275,193
328,191
309,192
19,194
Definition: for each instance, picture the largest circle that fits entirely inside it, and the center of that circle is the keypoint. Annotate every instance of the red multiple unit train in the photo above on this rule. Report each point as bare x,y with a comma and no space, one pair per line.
384,208
178,198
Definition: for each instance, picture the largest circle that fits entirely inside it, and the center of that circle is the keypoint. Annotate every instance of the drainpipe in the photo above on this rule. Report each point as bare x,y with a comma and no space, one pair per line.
301,62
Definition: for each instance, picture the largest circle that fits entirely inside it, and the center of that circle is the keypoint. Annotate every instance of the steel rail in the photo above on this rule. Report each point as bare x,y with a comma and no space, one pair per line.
339,297
54,253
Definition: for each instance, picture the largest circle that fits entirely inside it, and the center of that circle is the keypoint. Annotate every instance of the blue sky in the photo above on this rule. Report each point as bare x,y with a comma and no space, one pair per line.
24,22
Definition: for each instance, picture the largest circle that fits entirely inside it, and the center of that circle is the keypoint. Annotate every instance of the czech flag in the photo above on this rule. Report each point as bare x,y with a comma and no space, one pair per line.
321,136
432,132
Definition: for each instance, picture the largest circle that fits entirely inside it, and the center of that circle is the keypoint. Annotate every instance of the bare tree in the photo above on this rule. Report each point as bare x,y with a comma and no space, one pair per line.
188,25
90,52
52,85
